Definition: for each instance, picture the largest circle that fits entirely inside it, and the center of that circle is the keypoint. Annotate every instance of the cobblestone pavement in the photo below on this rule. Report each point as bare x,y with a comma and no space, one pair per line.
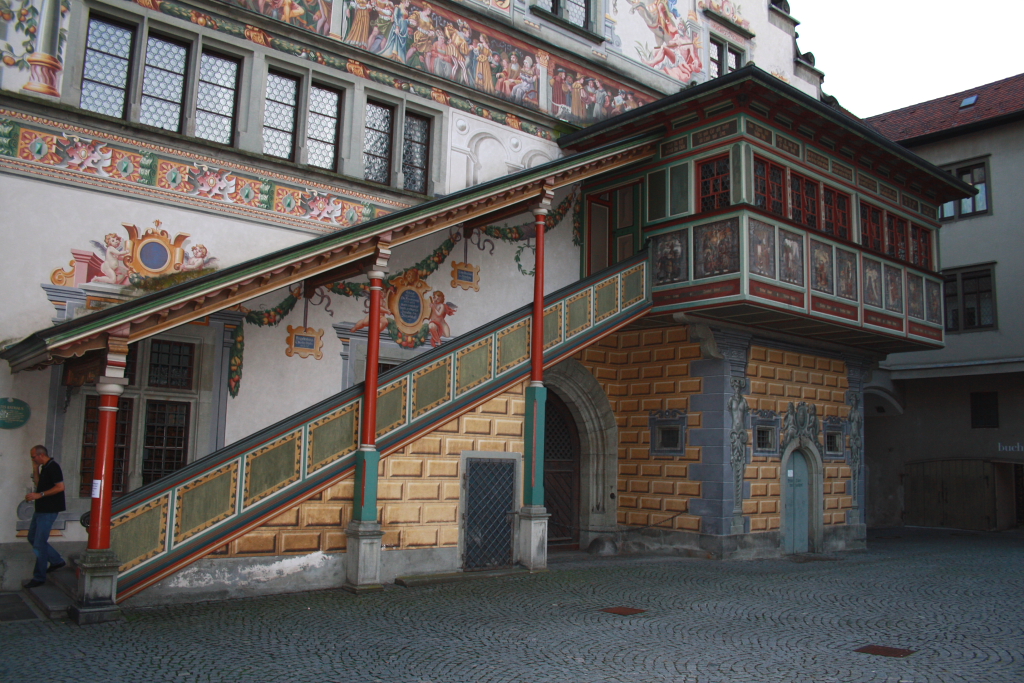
956,599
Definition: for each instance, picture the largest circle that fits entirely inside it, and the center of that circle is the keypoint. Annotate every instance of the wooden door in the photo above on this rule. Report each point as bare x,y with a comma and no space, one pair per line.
797,500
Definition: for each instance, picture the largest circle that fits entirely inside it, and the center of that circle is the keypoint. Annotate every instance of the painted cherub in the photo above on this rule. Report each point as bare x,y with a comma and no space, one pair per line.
198,260
439,310
113,270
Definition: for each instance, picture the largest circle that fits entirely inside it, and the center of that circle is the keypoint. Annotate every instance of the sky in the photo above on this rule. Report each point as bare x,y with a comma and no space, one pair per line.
880,55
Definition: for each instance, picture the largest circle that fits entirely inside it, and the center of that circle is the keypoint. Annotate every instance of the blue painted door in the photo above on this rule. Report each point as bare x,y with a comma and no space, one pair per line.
797,519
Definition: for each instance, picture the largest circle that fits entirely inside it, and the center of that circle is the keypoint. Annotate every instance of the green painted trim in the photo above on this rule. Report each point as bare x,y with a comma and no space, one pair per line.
364,502
533,479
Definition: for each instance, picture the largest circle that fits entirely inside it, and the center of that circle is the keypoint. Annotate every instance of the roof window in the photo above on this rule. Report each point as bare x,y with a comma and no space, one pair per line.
968,101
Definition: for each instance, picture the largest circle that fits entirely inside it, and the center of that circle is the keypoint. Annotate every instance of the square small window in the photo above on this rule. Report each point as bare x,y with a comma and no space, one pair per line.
765,439
668,433
668,438
985,410
834,443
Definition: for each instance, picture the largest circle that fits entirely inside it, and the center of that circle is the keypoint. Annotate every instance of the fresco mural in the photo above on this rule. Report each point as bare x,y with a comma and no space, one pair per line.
446,45
822,274
661,34
311,15
934,296
872,283
915,296
81,155
671,258
34,33
791,258
762,248
726,9
147,259
893,289
846,285
716,248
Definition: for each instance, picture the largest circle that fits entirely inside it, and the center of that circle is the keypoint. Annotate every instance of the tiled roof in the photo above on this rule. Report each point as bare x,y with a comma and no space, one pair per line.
945,113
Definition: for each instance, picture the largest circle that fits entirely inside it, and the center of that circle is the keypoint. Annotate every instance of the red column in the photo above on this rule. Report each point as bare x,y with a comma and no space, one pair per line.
369,429
537,337
103,466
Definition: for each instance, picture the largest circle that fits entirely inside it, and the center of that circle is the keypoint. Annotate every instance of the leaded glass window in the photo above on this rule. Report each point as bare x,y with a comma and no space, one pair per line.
322,127
713,185
769,187
804,199
215,109
416,152
837,213
871,227
896,237
377,142
279,116
105,73
163,84
165,447
170,364
575,12
722,59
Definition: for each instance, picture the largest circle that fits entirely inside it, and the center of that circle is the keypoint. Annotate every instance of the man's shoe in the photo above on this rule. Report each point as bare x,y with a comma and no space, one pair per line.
33,583
55,567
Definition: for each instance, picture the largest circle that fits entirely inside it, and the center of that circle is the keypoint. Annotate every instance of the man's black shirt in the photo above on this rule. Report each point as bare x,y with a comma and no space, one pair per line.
50,475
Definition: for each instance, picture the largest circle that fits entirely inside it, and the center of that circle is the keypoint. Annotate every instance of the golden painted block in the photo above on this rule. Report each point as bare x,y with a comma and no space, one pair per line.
435,513
299,541
492,445
448,536
450,490
758,524
639,486
335,541
421,490
442,468
256,542
663,488
688,523
405,467
401,514
688,488
322,515
389,490
419,538
455,446
286,518
749,507
472,424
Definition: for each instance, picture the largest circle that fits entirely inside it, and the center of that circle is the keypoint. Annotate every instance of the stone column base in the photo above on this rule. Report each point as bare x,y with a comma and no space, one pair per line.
362,557
533,537
97,588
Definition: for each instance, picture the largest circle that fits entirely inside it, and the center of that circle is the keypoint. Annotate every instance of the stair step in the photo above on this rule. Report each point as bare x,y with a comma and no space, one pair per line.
432,579
50,599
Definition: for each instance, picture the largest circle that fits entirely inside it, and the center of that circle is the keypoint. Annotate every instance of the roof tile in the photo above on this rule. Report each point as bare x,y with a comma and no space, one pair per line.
994,99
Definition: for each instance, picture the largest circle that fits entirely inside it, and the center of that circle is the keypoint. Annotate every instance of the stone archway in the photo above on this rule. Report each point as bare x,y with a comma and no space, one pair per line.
815,495
599,445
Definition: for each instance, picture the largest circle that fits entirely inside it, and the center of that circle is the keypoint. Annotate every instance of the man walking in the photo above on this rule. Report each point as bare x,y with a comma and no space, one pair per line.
49,498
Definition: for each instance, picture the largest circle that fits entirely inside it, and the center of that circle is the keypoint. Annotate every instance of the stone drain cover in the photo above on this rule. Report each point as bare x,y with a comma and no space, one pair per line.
883,651
624,611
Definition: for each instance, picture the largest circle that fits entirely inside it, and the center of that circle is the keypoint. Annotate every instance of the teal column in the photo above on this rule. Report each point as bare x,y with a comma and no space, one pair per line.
533,479
364,507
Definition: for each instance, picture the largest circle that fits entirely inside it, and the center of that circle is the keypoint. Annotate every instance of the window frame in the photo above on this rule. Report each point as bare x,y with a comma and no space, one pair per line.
218,54
131,80
559,13
339,123
407,114
186,98
300,97
698,179
725,50
957,275
839,227
784,184
808,214
956,170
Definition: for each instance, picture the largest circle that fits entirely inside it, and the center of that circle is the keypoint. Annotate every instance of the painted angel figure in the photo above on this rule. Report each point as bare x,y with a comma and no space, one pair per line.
113,268
199,259
439,310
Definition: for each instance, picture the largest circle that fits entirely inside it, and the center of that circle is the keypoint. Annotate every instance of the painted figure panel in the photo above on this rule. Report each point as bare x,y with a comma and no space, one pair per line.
582,96
791,257
846,281
671,253
311,15
665,35
762,248
822,272
934,295
915,296
872,283
893,289
716,248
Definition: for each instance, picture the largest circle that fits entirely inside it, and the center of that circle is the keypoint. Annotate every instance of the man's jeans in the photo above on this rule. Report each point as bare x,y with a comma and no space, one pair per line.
39,537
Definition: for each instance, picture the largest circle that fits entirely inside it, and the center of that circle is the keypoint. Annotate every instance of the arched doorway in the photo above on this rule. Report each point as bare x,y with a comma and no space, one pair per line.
796,502
561,474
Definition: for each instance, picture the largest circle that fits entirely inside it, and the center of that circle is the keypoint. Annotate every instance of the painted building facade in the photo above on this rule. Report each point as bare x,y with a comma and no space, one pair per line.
945,428
198,192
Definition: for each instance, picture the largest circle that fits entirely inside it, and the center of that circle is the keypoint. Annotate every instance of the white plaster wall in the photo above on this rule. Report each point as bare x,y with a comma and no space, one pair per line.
482,150
997,237
15,466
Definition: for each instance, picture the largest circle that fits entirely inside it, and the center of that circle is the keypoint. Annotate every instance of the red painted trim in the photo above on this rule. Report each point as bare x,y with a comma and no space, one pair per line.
103,470
780,295
882,320
369,429
835,308
684,295
925,331
537,326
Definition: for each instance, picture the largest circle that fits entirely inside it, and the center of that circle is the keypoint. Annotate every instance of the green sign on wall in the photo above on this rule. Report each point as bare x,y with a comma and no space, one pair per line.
13,413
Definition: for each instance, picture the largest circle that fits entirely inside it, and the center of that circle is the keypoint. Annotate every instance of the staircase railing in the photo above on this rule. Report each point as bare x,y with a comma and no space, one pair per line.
164,526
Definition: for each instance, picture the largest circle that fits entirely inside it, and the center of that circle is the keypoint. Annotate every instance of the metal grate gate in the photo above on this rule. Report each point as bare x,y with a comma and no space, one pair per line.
490,512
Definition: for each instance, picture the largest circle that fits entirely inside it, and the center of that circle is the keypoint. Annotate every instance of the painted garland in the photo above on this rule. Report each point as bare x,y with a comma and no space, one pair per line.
272,316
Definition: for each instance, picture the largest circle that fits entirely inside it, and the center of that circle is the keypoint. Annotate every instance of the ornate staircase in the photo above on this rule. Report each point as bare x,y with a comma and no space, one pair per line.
163,527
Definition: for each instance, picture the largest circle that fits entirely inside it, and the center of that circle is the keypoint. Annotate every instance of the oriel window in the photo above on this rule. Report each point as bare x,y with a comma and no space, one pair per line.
713,184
